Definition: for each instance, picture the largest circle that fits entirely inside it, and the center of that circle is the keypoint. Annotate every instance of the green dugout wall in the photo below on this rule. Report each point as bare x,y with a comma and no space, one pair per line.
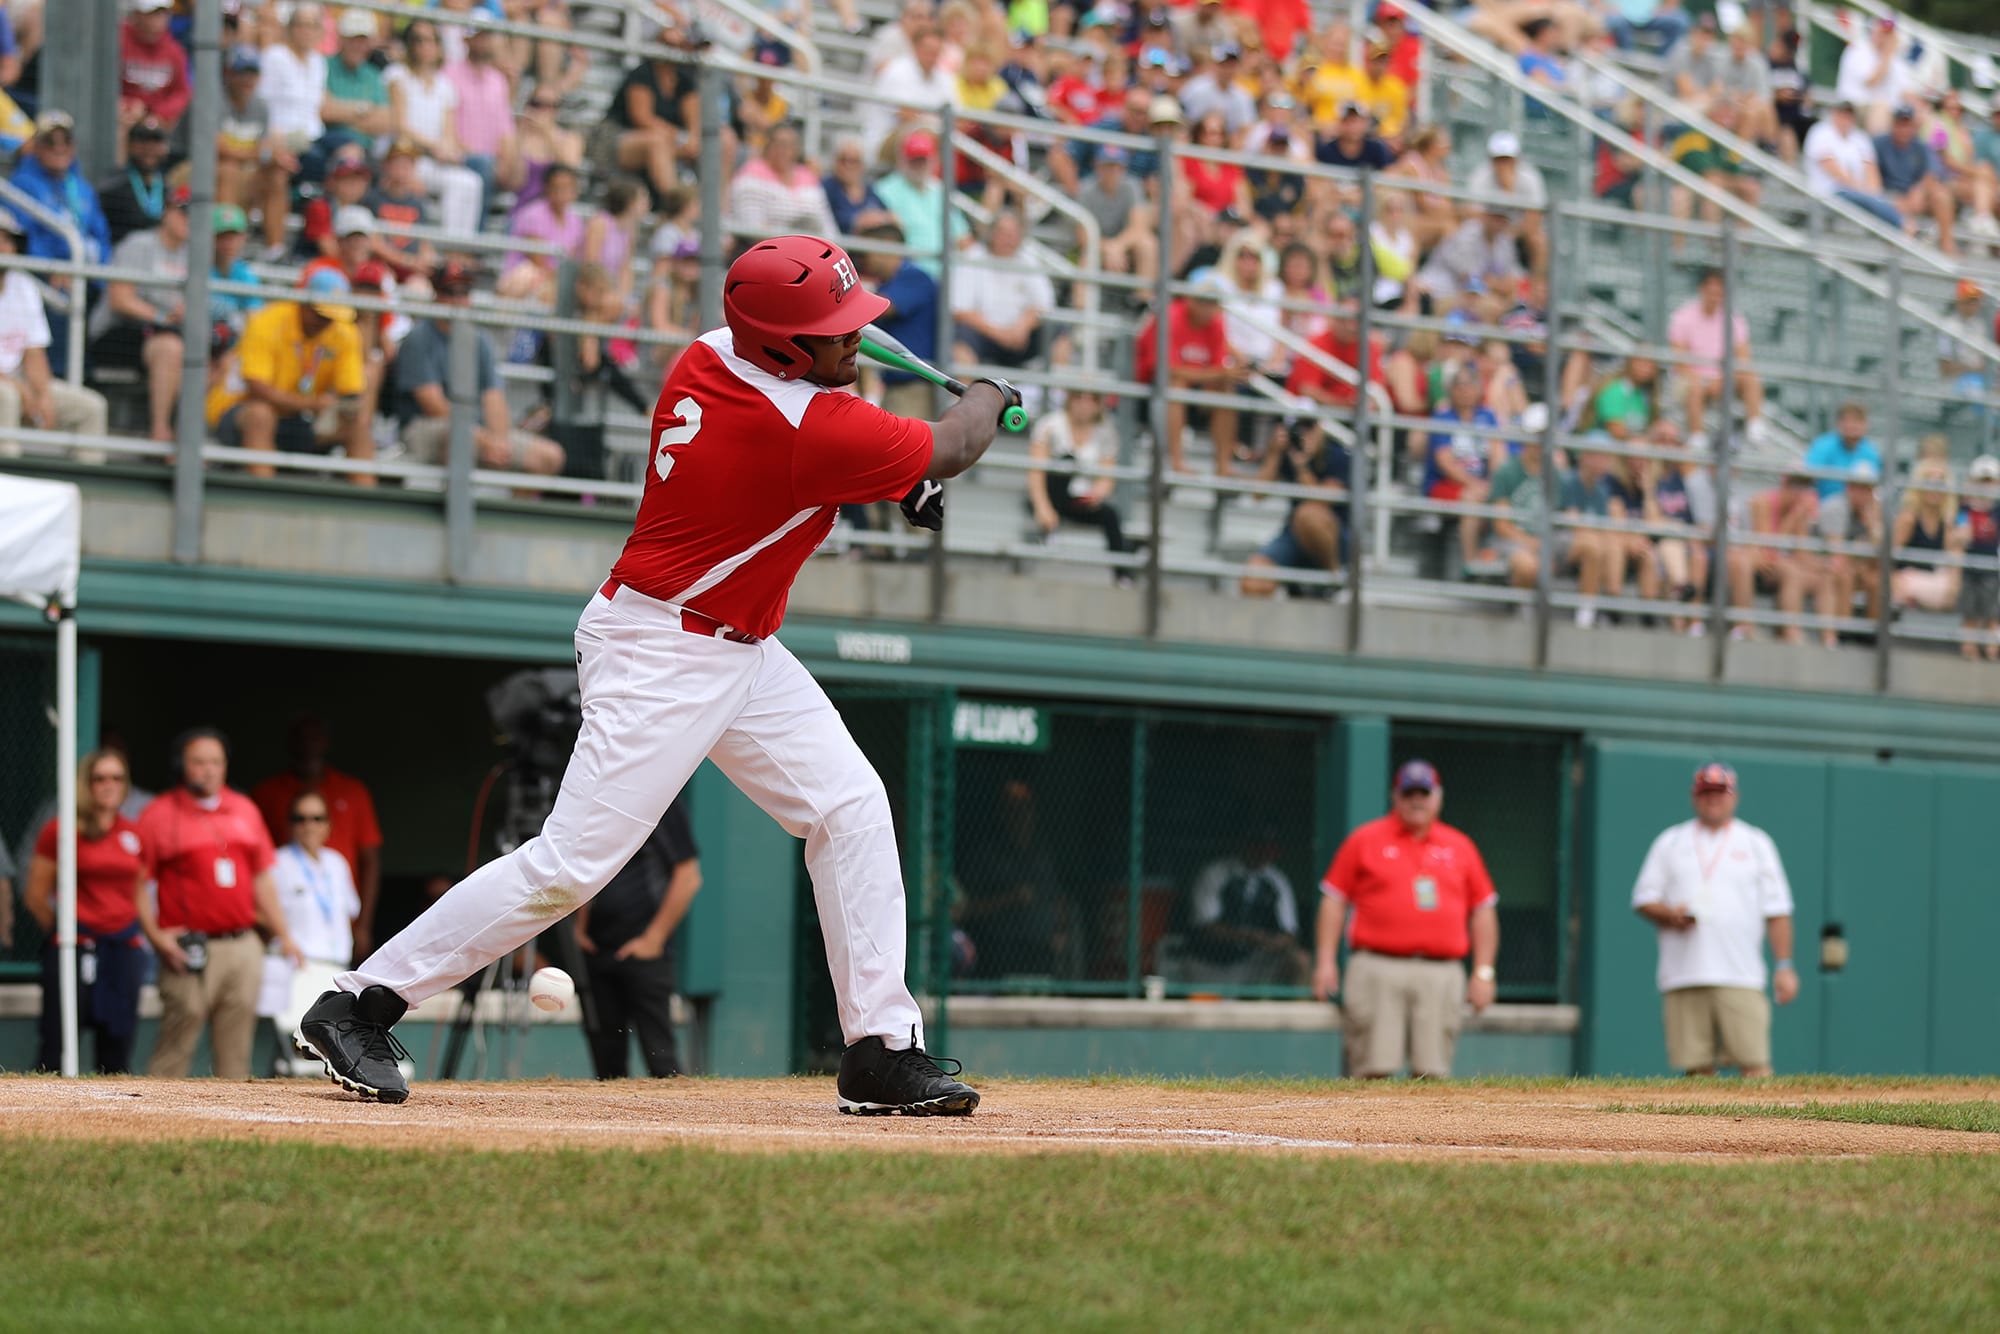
1880,804
1898,852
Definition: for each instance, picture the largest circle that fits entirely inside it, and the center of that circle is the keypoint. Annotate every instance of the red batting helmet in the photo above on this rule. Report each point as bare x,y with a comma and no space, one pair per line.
792,285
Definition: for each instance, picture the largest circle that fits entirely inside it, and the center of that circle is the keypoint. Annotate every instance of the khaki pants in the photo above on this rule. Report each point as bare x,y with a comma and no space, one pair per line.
222,998
1708,1027
1394,1009
76,409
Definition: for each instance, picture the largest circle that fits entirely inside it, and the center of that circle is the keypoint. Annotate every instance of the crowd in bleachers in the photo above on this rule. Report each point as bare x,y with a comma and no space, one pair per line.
418,158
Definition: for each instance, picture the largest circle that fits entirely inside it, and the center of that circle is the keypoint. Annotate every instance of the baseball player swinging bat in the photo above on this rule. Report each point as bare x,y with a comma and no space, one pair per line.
890,351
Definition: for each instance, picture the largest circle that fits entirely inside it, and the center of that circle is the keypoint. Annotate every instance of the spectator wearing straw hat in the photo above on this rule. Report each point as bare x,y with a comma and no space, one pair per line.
29,394
1714,889
1412,898
297,380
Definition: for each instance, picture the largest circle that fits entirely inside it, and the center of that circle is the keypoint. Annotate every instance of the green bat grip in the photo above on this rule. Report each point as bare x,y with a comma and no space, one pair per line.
1014,418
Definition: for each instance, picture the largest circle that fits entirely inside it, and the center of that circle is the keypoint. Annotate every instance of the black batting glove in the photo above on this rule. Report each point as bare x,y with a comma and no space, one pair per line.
1010,397
923,507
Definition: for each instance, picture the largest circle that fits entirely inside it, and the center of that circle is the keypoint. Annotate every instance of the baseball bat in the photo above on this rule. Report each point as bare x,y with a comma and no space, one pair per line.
890,351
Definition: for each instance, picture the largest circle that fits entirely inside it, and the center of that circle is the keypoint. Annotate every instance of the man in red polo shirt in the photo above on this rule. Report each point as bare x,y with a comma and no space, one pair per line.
1419,899
206,849
1198,357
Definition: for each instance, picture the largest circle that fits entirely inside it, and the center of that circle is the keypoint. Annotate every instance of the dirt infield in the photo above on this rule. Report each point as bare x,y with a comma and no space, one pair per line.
1400,1121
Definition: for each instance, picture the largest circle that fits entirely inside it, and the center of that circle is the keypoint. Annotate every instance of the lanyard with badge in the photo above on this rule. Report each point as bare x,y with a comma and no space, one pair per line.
1708,866
1425,887
316,882
225,865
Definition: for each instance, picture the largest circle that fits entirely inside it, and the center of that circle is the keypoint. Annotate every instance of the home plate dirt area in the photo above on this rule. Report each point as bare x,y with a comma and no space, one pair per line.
1451,1121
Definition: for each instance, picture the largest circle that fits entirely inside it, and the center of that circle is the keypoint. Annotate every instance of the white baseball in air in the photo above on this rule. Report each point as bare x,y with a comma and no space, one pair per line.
551,989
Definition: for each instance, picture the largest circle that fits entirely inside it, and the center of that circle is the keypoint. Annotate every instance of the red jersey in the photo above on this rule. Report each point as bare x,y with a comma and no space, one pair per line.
1409,896
1189,346
748,474
107,875
154,76
1078,101
206,861
1307,374
1279,23
350,810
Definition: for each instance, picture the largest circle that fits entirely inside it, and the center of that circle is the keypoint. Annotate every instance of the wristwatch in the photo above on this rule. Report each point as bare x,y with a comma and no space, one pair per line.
1484,972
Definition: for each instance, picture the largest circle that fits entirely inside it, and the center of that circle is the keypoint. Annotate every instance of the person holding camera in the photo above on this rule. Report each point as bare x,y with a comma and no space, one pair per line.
1315,535
110,956
207,852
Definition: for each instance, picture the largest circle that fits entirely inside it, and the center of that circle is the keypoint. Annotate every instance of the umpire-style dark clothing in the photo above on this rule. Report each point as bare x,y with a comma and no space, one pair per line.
636,994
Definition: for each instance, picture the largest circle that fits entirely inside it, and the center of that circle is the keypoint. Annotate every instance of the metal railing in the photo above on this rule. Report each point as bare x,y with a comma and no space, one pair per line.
1190,516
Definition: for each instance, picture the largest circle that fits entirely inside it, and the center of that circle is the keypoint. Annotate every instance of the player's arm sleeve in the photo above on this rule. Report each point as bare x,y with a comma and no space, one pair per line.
851,452
1205,899
1651,886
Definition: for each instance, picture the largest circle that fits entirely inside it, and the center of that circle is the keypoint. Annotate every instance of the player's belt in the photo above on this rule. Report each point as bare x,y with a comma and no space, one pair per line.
693,621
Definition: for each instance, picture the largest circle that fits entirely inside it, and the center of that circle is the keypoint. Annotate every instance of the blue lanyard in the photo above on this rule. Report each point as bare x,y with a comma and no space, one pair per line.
316,882
153,201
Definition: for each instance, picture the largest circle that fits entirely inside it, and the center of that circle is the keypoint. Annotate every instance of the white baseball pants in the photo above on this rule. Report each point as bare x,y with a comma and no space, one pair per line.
657,700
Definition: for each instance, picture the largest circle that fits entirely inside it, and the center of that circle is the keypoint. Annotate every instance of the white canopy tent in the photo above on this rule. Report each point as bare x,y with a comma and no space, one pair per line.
41,540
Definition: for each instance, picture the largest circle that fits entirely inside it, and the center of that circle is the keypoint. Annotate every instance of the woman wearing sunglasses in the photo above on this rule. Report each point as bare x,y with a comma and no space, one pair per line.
110,951
316,890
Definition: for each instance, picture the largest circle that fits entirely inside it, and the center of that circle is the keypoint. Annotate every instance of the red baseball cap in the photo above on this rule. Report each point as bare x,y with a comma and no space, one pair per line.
1387,11
1714,778
920,144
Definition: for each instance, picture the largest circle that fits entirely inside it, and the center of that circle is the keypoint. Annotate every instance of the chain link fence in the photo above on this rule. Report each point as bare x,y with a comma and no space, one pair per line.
1096,850
27,783
1513,795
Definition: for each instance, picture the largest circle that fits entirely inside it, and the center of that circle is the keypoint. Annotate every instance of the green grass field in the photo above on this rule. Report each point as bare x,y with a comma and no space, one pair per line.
1978,1117
242,1235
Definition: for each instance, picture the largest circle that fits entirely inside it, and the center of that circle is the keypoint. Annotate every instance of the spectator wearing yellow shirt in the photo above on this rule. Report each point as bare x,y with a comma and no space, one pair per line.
1384,93
1330,79
297,380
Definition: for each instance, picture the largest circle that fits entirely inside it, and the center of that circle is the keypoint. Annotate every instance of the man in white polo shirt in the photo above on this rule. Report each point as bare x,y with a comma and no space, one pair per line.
1715,888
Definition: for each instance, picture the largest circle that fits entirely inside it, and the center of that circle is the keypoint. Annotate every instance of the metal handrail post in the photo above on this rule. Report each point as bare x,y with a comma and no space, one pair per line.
713,109
1723,437
458,505
1815,228
191,427
1360,467
1156,475
1892,484
1552,396
947,173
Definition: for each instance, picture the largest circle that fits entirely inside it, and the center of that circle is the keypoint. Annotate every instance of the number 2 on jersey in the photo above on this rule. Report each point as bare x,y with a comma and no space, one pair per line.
689,412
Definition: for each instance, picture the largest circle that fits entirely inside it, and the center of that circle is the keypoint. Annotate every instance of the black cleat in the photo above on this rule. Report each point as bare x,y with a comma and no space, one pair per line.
350,1036
875,1081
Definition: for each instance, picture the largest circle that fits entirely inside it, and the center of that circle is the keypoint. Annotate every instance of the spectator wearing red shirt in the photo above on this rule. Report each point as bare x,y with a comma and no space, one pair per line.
1198,357
206,849
354,832
111,955
1415,897
1405,50
1279,22
1342,342
152,68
